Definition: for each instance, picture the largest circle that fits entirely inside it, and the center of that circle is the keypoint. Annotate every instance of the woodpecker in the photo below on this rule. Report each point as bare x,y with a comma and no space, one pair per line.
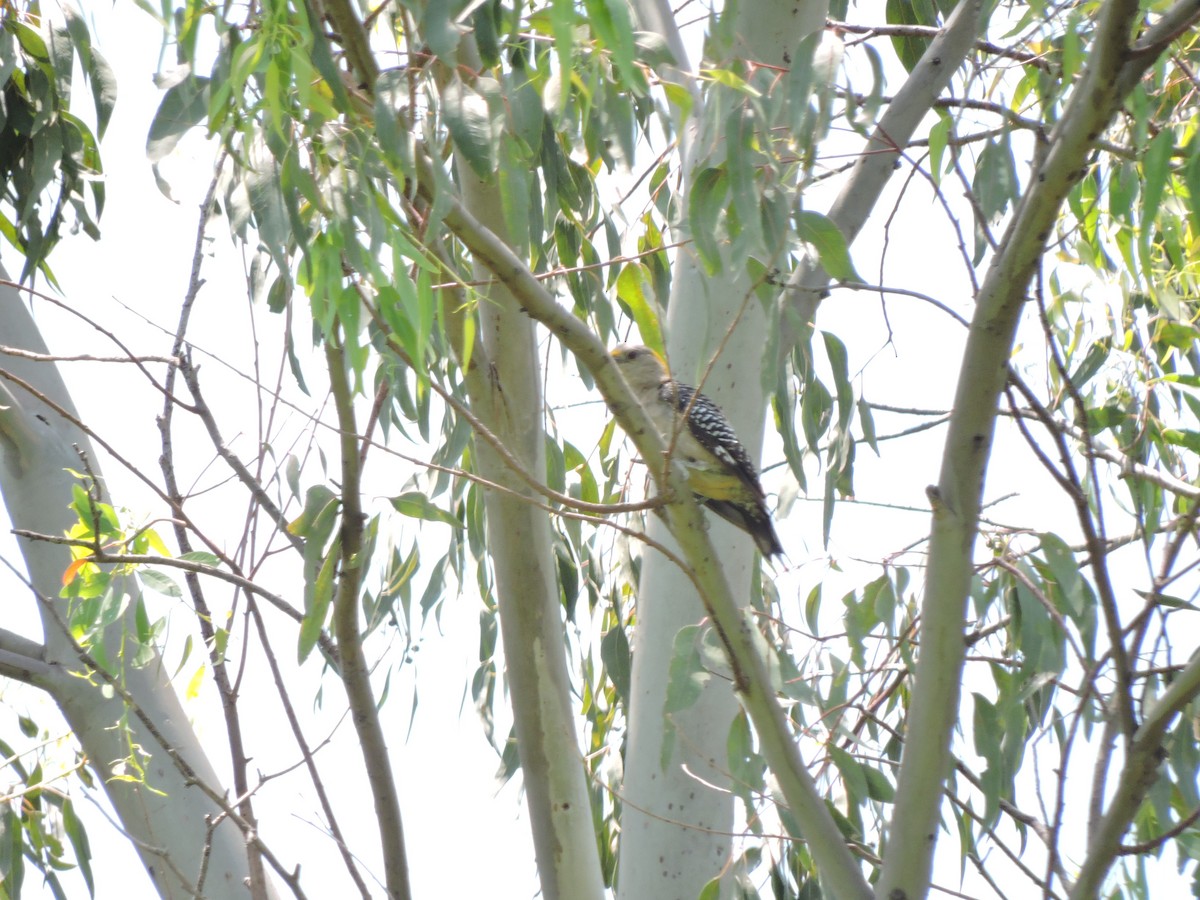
720,471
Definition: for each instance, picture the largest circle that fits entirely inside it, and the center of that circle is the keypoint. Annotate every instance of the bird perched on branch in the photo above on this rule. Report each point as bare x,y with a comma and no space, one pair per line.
720,471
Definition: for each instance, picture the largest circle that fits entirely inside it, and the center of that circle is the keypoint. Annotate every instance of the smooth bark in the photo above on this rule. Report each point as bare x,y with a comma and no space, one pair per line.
956,498
683,820
505,389
165,816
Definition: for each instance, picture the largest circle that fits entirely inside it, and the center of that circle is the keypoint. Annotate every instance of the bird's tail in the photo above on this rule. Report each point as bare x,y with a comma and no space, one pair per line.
755,521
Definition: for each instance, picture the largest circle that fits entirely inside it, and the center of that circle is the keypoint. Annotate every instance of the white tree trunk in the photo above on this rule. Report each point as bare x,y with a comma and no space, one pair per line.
509,401
680,835
166,816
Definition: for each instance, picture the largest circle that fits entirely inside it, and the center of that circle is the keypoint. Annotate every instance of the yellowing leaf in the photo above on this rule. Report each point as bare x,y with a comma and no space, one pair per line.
73,570
197,680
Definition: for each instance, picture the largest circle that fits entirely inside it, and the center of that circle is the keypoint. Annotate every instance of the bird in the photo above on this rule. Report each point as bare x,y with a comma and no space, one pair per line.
720,471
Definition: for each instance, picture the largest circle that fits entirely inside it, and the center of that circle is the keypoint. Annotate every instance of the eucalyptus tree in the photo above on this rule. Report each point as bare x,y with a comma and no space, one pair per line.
451,209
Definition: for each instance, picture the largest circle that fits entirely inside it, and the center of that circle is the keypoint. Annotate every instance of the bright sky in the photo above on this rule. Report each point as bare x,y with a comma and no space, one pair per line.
459,824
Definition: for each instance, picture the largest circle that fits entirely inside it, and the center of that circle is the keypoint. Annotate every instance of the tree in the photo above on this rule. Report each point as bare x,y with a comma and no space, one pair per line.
453,201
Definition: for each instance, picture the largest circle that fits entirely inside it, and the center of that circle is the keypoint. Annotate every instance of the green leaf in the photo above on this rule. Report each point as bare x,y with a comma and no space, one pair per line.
1123,185
439,30
162,584
434,589
618,659
417,506
731,80
867,422
878,786
1063,565
201,556
1175,334
995,185
526,116
939,139
705,205
77,835
909,12
868,112
100,75
986,728
611,22
1188,439
686,677
687,674
653,49
31,41
742,160
145,632
515,179
314,522
1096,356
1041,641
47,155
812,609
62,60
809,75
853,779
816,406
829,243
470,124
103,90
12,860
745,764
1156,169
1191,177
556,467
562,25
317,599
485,22
631,290
679,97
183,106
839,363
391,92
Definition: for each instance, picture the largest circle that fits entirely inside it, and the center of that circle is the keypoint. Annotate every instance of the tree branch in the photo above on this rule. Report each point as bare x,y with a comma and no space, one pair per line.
103,555
513,464
356,675
249,830
21,660
929,31
244,475
354,40
1142,758
957,497
307,755
877,161
203,613
690,529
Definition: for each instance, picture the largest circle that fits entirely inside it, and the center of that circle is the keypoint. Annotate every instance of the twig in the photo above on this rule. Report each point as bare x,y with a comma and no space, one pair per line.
355,673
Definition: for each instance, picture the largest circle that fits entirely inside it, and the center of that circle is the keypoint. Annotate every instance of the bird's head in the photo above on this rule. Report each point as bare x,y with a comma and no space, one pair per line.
641,367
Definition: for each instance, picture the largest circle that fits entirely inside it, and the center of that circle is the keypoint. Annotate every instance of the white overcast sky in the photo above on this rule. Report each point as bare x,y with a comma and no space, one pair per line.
464,832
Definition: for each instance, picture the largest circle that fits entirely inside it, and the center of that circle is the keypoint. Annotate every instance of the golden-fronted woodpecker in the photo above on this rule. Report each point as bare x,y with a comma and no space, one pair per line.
720,471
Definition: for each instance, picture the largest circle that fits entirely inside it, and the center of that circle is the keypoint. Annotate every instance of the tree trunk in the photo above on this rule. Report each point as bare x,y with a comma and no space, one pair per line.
679,835
166,815
506,393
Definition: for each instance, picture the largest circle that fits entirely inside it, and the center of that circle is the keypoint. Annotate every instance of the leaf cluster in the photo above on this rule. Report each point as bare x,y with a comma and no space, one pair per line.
50,166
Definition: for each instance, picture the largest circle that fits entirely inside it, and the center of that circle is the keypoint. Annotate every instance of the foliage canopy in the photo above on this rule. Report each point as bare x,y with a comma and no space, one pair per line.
448,211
